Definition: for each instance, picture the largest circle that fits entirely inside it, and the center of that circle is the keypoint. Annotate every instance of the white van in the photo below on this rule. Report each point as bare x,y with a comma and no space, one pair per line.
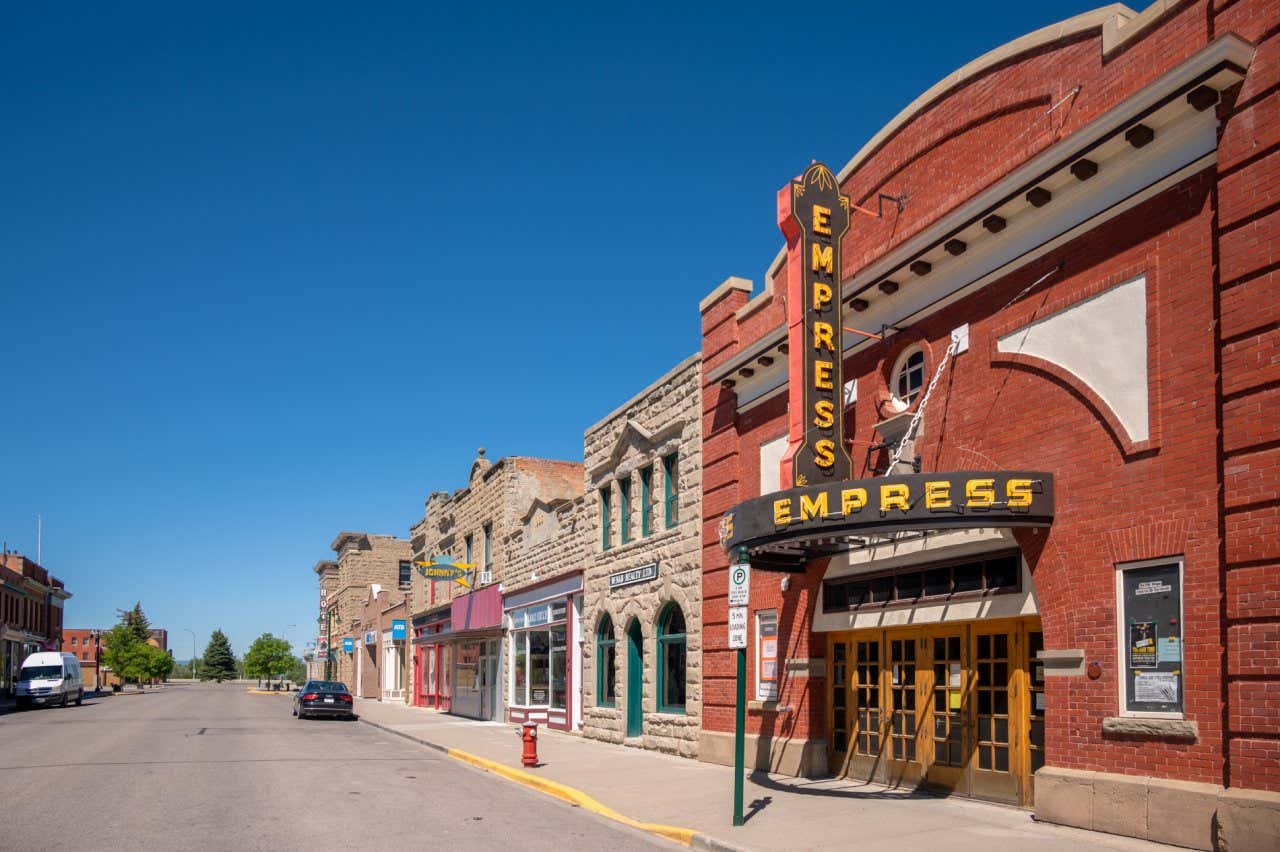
49,677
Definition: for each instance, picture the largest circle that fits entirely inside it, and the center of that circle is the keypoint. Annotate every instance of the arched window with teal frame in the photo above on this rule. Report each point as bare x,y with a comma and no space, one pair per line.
672,658
606,664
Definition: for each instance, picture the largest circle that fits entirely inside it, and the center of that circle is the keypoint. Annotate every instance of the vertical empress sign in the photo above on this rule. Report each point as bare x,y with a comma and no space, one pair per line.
813,216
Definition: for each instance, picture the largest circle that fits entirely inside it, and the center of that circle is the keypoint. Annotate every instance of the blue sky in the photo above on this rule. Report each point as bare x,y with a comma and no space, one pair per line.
268,274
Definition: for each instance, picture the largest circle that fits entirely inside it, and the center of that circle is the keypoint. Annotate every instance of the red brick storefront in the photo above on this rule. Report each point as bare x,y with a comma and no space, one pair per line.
1096,206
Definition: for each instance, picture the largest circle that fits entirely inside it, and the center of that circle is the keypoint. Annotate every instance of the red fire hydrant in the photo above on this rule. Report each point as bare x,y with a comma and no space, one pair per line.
529,736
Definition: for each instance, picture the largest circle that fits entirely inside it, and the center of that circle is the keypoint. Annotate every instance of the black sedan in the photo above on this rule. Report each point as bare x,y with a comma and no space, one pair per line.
323,698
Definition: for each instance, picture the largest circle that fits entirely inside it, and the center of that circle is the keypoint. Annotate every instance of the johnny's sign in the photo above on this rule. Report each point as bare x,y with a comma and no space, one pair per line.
813,216
917,501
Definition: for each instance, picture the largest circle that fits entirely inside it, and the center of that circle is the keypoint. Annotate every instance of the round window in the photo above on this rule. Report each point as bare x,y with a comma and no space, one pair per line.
908,377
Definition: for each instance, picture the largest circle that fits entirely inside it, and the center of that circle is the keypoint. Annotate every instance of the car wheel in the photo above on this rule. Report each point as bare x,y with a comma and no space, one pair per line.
80,698
63,702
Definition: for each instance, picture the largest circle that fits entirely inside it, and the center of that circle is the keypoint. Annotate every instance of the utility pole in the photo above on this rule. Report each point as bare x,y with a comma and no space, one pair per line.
193,651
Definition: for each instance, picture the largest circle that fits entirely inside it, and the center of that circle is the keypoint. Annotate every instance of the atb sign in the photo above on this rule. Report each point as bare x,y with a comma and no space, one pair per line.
737,627
739,584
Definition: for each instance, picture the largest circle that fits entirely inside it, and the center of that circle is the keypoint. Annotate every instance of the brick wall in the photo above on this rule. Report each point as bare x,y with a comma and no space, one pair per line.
1247,294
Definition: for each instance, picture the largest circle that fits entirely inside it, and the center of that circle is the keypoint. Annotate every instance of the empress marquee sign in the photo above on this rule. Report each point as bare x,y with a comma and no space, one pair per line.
825,510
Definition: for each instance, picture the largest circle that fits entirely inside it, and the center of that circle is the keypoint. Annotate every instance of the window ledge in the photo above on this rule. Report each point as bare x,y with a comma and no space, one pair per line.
635,543
767,707
670,711
1137,726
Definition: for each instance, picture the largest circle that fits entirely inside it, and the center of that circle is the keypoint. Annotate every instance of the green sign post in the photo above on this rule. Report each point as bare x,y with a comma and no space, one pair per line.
739,597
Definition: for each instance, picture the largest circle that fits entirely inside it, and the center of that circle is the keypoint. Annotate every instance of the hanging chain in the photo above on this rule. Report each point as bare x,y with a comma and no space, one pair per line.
915,418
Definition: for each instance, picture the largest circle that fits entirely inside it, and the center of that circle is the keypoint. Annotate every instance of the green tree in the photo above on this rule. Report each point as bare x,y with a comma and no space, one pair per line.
137,622
124,654
267,657
219,663
158,663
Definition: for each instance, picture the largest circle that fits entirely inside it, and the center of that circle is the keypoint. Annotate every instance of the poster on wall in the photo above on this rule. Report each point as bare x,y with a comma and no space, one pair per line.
767,635
1152,619
1142,644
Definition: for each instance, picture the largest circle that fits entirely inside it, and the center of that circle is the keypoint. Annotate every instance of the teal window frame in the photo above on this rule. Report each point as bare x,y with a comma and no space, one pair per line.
624,509
646,501
606,519
668,639
671,489
467,541
488,547
606,674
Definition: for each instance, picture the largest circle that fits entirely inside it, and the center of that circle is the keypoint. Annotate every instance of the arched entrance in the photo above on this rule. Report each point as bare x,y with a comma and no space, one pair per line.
635,679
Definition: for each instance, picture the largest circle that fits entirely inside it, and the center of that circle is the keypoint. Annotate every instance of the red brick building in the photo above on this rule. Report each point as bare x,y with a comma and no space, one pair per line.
1090,212
31,602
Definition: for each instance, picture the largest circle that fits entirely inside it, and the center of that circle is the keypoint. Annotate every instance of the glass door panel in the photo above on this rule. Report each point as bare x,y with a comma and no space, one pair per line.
867,716
996,731
949,680
840,727
902,707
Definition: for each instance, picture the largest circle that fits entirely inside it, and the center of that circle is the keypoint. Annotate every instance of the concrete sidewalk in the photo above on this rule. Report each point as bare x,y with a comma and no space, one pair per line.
782,812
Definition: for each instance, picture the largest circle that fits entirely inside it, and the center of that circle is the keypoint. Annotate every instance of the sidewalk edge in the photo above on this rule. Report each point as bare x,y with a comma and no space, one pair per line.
683,836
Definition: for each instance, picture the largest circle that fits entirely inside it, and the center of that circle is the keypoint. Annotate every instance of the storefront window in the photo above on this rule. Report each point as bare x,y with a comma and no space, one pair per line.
539,653
672,656
539,662
606,664
559,683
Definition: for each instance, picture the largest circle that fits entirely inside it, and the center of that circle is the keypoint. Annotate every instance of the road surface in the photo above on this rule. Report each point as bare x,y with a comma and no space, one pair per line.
201,766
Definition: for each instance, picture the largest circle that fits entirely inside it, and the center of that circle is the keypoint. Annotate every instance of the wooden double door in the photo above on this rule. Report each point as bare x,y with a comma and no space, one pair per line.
957,707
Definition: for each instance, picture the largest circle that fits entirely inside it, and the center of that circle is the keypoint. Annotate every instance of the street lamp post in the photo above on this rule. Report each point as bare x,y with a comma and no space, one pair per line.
193,651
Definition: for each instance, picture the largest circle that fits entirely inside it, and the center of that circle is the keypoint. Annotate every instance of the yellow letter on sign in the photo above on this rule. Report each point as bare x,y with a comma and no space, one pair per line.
821,295
937,495
822,259
852,499
781,512
895,496
1018,492
822,375
814,507
823,336
822,220
980,492
824,453
825,410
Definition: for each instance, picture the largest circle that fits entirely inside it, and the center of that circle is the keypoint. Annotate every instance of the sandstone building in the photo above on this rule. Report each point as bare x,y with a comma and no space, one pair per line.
362,560
643,584
459,654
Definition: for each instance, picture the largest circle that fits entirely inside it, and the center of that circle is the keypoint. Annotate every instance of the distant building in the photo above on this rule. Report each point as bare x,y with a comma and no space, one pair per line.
363,560
30,613
86,644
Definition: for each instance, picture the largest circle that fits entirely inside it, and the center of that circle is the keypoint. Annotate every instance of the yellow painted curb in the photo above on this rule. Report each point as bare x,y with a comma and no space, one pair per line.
574,797
253,691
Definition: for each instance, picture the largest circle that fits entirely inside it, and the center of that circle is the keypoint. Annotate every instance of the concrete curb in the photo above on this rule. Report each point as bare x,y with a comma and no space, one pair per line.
683,836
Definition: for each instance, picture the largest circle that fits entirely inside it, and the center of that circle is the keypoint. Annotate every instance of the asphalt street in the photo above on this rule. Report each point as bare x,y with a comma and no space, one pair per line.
196,767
